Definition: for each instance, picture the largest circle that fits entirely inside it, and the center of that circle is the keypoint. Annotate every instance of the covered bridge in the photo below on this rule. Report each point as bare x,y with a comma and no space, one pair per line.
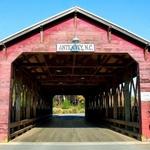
75,52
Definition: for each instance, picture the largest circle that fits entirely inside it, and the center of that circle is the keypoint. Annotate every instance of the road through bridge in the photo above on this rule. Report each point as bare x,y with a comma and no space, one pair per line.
71,128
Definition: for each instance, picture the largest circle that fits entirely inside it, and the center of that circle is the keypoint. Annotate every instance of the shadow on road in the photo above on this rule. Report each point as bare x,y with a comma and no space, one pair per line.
69,121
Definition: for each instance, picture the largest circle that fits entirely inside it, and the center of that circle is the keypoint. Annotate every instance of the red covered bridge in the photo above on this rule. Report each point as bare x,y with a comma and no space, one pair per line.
75,52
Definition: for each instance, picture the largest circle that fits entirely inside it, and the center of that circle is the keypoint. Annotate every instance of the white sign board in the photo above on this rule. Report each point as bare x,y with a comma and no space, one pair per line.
75,47
145,96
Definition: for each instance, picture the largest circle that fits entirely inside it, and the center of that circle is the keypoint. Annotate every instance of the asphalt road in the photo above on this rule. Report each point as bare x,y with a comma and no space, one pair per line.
71,128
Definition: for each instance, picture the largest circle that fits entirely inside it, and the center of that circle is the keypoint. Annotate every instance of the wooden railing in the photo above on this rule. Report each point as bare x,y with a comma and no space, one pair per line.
19,127
125,127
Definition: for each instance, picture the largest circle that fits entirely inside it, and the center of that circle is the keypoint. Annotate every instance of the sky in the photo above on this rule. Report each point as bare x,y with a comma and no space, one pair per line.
133,15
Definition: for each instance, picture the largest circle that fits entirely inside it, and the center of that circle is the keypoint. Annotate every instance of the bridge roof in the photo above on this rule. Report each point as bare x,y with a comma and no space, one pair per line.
83,12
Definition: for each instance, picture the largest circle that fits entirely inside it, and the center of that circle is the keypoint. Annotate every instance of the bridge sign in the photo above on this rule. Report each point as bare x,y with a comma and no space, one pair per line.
75,47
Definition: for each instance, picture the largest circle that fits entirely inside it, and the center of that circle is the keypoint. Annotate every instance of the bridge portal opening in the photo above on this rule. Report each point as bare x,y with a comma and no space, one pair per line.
109,83
68,104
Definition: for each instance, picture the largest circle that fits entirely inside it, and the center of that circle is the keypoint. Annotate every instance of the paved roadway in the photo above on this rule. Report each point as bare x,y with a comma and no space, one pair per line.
73,133
71,128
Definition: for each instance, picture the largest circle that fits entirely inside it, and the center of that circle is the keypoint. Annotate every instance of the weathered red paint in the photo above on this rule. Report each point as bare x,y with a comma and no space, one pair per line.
145,113
4,99
63,33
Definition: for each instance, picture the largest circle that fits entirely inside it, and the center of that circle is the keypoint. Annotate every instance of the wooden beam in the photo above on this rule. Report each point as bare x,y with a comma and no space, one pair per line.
18,132
69,66
146,52
5,50
115,105
75,75
22,122
75,24
41,34
105,59
74,81
39,62
130,133
127,101
109,34
125,123
46,64
70,84
25,125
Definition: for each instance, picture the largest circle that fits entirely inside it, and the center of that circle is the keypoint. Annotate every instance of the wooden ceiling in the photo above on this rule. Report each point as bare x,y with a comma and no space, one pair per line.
57,71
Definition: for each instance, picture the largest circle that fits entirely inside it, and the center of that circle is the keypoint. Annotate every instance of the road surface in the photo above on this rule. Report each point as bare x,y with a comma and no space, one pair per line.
73,133
71,128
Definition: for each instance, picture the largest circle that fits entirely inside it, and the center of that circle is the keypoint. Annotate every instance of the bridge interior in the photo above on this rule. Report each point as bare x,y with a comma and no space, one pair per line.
109,82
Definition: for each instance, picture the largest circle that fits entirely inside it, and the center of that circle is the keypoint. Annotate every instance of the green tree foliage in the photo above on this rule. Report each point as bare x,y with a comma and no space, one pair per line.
68,104
80,99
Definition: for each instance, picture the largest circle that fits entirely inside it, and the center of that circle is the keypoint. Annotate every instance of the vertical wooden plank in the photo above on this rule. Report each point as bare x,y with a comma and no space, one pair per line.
18,98
107,104
34,106
109,34
41,34
28,107
115,105
127,101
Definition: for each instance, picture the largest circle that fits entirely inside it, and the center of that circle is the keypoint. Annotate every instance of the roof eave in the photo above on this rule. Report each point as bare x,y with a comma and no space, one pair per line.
36,26
113,26
69,11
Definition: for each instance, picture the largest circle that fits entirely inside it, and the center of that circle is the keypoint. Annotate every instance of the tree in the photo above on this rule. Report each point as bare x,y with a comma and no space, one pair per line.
80,99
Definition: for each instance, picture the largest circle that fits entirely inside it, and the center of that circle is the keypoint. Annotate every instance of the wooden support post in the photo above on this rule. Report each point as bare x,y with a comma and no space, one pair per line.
5,51
115,105
107,104
109,34
41,34
50,103
18,98
34,106
28,106
86,107
146,53
127,101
